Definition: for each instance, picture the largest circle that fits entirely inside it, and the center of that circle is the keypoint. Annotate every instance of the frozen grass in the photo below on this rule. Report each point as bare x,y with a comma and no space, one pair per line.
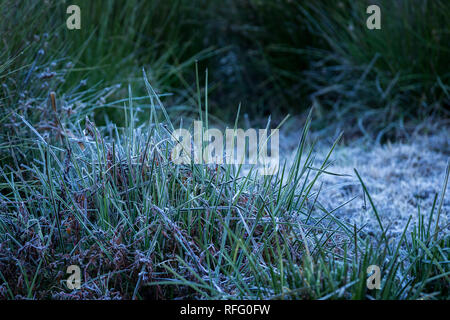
402,177
111,201
108,198
288,55
270,55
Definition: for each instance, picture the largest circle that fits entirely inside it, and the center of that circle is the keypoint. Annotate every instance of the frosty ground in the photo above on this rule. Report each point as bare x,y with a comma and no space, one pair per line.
401,177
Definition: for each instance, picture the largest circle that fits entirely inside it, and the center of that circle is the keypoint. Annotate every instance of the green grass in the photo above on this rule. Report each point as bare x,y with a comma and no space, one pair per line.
115,41
381,83
269,55
108,198
396,76
111,201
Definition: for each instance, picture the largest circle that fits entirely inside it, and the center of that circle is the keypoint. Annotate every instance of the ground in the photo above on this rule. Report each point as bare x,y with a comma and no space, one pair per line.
400,177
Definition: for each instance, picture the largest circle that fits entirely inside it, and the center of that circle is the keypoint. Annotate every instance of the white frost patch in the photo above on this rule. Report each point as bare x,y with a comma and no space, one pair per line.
400,177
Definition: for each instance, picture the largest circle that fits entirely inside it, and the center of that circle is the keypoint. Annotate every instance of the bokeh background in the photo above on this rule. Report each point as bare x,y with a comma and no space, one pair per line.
274,57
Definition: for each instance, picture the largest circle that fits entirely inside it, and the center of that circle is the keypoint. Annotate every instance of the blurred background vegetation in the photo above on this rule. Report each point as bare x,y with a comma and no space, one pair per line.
274,56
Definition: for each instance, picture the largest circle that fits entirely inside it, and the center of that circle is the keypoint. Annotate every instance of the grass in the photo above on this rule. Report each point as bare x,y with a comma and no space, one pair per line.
269,55
86,176
111,201
397,76
321,53
116,40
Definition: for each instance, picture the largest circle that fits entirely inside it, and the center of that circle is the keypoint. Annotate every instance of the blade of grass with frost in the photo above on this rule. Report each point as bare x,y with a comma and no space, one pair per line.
152,93
444,188
324,164
393,265
383,235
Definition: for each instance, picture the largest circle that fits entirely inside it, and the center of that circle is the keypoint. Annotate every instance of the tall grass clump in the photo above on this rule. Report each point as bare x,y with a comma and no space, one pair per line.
116,39
86,67
270,55
386,77
110,200
292,54
317,52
